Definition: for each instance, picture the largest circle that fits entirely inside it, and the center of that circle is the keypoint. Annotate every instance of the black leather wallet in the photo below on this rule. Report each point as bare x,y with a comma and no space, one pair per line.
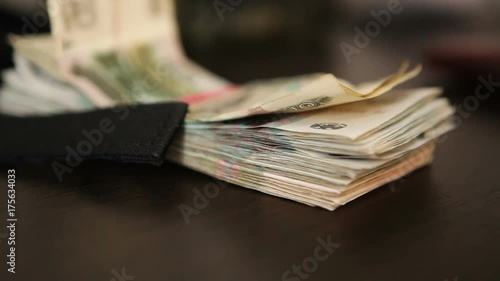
128,134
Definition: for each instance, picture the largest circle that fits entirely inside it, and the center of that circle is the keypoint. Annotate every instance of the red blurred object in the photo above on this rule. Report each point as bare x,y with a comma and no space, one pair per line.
466,56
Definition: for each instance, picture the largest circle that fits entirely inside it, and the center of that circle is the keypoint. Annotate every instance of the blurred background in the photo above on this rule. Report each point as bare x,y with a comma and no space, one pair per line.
244,40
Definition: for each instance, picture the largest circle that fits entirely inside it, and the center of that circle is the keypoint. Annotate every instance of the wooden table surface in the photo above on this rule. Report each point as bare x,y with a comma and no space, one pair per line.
439,223
114,222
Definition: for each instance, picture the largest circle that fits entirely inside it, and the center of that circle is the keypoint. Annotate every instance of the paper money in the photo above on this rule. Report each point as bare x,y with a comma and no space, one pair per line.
324,157
122,52
290,95
281,185
83,26
30,90
85,33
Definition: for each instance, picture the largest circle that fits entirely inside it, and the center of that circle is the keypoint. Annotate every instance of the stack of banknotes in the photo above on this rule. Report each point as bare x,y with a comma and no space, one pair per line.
314,139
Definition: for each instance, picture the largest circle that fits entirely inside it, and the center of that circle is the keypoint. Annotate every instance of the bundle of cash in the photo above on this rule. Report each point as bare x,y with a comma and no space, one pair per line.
314,139
326,157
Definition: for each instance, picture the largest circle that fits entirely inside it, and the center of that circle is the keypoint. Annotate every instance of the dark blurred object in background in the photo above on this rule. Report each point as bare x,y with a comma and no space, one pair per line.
258,25
15,16
466,57
281,32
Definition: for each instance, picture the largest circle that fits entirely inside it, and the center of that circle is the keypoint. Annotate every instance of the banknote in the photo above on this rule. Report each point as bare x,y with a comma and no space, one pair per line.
83,26
29,90
282,185
291,95
81,29
324,157
124,51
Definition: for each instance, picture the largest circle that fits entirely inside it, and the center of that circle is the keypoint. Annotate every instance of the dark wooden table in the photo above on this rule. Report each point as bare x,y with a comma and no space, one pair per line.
122,222
441,222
